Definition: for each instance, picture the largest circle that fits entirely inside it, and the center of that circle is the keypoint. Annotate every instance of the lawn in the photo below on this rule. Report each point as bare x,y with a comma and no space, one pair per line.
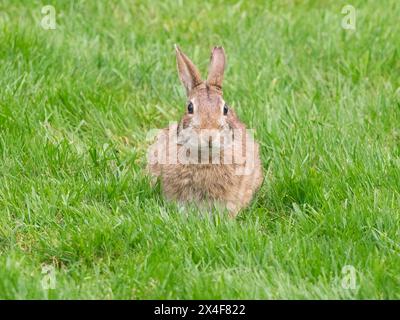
78,216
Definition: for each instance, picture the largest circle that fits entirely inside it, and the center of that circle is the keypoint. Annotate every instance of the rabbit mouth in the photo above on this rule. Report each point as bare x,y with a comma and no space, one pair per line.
196,148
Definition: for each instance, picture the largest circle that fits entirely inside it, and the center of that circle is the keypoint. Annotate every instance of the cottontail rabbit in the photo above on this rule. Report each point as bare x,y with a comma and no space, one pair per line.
208,158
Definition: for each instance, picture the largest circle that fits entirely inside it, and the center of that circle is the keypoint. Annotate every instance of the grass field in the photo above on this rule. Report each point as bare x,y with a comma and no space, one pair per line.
76,104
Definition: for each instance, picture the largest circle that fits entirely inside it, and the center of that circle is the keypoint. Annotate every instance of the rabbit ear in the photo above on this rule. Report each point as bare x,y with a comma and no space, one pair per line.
217,67
188,73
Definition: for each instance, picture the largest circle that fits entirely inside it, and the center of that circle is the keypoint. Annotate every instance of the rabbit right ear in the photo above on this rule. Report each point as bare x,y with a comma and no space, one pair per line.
188,73
217,67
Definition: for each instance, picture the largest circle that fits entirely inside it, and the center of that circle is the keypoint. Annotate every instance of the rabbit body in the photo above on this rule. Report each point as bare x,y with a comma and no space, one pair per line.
189,157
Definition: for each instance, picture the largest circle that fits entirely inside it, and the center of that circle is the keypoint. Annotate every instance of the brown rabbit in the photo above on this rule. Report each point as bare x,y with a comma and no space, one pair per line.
209,158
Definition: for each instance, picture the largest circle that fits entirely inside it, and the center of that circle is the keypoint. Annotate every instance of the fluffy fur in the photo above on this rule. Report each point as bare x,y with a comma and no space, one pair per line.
206,180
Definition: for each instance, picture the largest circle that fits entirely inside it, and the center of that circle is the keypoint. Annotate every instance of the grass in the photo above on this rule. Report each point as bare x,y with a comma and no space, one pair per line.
76,104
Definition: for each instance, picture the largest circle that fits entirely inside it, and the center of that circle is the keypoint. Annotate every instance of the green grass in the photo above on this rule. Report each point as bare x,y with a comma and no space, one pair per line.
76,104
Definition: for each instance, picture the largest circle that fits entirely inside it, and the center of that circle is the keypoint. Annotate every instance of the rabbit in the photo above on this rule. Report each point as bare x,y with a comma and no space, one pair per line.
198,168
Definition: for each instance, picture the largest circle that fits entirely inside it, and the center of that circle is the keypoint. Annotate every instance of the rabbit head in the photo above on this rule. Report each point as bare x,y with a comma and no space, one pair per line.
208,121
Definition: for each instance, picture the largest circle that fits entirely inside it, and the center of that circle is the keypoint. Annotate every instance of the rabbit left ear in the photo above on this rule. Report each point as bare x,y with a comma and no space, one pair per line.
188,73
217,67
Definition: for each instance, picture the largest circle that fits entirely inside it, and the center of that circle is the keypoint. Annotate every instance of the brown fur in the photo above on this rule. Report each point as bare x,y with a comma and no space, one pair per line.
206,184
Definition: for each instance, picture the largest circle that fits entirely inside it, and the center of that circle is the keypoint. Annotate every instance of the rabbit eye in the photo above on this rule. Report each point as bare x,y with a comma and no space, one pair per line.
225,110
190,107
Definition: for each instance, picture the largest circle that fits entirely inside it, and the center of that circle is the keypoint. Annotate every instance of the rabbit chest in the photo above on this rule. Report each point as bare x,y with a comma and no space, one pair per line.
198,181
